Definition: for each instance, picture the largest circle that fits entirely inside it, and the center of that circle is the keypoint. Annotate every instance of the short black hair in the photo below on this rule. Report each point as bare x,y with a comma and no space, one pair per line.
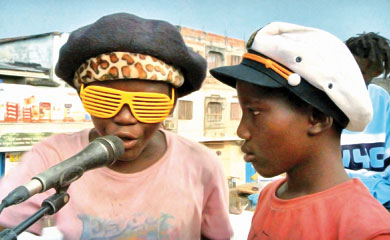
373,47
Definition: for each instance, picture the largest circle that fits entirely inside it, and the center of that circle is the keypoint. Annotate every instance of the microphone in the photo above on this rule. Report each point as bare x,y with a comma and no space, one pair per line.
101,151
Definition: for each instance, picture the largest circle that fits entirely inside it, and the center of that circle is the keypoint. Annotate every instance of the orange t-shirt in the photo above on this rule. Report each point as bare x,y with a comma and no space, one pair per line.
346,211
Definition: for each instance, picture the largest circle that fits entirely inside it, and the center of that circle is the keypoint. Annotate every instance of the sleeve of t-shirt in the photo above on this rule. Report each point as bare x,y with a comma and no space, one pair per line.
215,216
32,163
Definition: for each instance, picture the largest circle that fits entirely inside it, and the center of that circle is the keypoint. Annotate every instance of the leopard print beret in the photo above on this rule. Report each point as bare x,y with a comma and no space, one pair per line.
125,65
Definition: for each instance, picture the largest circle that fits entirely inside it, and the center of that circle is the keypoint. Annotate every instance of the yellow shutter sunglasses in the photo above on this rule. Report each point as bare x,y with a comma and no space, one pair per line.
146,107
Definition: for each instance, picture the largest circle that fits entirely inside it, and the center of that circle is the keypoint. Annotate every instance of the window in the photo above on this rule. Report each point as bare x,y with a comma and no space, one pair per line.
235,60
185,110
214,59
214,112
235,111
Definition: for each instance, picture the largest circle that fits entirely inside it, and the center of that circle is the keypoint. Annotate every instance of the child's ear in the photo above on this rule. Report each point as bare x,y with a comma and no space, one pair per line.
319,122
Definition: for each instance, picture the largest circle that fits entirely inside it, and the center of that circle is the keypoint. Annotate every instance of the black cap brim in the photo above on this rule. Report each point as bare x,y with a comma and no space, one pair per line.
245,72
256,73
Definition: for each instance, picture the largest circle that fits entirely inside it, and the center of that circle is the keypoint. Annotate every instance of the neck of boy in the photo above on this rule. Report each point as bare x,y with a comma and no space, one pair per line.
319,172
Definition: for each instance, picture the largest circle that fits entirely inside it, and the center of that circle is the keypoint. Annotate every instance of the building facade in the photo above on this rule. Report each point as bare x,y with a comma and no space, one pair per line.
212,114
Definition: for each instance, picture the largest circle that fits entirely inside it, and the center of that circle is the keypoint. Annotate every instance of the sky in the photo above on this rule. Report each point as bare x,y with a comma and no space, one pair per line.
232,18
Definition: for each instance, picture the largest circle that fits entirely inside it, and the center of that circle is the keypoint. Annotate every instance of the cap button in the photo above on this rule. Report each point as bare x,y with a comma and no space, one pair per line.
294,79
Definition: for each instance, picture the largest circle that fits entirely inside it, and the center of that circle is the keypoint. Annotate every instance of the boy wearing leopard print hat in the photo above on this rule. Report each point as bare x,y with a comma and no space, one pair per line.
163,186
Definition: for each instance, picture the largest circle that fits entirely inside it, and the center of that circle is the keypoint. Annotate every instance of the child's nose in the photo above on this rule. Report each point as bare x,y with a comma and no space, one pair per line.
242,131
125,116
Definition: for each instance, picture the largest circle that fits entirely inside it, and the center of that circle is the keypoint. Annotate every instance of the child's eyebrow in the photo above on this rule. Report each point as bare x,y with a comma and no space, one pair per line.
253,101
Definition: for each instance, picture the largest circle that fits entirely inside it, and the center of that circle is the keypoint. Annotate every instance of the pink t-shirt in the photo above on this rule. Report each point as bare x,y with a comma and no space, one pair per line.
346,211
181,196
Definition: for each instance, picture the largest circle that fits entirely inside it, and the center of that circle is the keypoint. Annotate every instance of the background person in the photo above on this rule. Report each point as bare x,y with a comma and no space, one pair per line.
367,154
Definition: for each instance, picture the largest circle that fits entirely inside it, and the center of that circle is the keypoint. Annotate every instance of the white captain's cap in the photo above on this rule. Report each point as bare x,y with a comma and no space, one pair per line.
312,63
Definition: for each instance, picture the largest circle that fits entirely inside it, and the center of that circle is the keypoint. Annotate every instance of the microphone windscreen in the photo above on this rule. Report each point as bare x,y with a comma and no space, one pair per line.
114,146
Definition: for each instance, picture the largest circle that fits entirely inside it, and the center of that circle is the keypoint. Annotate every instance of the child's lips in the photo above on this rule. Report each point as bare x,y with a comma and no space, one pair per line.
248,157
129,140
129,143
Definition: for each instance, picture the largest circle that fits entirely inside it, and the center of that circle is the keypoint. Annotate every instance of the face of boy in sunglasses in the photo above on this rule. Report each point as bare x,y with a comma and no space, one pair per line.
142,141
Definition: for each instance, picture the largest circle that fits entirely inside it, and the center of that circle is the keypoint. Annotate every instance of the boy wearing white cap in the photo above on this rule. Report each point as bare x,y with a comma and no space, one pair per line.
298,88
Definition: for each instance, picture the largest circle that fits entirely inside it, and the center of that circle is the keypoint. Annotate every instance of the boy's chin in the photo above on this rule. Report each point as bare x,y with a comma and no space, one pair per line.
266,174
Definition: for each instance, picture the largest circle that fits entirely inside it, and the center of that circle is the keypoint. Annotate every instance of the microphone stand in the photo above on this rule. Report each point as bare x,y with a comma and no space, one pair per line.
49,206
